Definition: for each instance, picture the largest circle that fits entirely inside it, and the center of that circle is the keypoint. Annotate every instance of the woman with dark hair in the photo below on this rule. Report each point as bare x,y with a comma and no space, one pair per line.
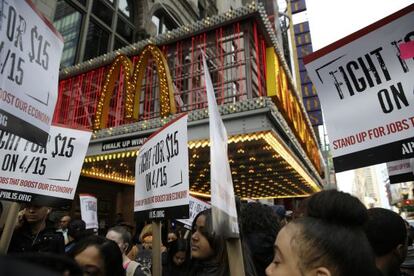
328,241
98,256
208,250
177,259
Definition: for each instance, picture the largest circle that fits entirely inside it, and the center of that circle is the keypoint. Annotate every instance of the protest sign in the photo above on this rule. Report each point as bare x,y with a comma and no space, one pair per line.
30,52
366,92
45,176
222,191
195,207
161,174
400,171
89,210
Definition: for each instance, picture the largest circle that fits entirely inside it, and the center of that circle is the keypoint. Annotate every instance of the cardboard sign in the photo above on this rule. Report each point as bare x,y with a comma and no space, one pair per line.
30,52
89,210
45,176
195,207
366,93
222,191
401,171
161,174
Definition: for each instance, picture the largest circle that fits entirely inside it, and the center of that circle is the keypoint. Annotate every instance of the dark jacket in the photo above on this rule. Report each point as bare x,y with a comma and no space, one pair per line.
209,268
48,240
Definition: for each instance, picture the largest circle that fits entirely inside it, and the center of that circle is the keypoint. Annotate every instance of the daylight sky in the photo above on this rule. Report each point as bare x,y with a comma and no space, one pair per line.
330,20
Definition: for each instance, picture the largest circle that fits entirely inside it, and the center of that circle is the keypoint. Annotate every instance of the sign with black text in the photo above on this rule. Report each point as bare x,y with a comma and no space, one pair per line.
44,176
401,171
195,207
30,52
161,174
89,210
366,91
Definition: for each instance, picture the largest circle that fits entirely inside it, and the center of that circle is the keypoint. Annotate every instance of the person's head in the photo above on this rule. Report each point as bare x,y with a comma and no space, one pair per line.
259,227
76,229
205,244
328,241
64,222
171,237
121,236
35,213
145,236
98,256
178,251
387,234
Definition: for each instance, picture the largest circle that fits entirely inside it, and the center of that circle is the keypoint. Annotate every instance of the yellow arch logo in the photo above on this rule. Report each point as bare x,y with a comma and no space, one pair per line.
133,80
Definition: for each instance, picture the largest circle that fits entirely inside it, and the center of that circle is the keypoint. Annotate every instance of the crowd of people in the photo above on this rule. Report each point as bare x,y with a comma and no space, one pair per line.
335,236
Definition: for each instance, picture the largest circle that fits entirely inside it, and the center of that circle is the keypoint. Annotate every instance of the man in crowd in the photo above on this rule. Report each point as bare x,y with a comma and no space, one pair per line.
63,227
35,233
387,234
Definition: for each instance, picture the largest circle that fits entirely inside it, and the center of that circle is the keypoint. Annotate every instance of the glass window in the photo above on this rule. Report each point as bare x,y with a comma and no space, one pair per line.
163,22
96,41
68,22
125,7
118,44
103,12
124,30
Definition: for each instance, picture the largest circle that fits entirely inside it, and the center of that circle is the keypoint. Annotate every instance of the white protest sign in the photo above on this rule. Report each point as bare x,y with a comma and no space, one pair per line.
45,176
196,206
366,93
89,210
161,173
30,52
400,171
222,192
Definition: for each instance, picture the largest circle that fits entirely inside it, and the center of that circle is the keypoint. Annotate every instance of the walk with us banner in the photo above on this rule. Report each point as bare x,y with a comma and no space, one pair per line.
366,86
30,52
222,192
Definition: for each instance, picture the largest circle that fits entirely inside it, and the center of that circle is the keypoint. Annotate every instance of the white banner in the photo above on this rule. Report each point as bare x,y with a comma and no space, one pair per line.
48,176
400,171
30,52
89,210
222,192
366,91
161,173
196,206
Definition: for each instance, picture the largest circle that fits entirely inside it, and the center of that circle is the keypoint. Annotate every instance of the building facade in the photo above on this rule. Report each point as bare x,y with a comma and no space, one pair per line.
273,151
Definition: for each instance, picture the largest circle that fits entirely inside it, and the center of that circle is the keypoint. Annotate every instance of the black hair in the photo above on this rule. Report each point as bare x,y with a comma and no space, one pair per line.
216,242
259,228
179,245
76,229
385,230
109,250
54,262
331,235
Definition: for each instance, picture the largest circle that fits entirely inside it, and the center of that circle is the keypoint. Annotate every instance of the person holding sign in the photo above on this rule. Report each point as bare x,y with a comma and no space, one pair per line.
36,233
208,250
328,241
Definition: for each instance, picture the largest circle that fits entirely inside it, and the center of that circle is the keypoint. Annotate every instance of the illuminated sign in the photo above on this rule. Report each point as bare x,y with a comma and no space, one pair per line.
288,104
133,79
